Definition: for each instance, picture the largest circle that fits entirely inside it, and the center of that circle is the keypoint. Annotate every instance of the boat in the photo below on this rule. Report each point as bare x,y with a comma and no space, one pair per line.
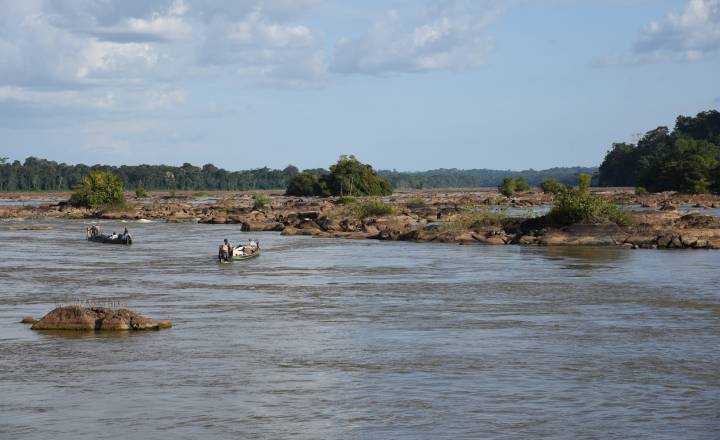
241,252
93,234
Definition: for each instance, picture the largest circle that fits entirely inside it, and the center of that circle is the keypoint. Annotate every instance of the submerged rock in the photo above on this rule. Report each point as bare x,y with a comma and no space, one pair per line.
28,320
97,318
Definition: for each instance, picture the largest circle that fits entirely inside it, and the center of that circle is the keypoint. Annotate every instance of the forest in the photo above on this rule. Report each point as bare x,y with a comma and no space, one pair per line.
45,175
479,178
686,159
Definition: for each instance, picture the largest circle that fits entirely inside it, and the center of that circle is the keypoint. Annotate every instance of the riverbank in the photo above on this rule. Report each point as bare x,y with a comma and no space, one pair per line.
477,216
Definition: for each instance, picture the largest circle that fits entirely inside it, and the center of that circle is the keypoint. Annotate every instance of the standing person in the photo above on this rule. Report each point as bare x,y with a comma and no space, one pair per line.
226,250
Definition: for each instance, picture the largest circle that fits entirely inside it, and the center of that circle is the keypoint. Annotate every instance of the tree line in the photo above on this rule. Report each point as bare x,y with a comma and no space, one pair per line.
685,160
36,174
480,178
44,175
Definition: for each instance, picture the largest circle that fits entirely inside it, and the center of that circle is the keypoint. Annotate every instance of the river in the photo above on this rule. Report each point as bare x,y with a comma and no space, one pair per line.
339,339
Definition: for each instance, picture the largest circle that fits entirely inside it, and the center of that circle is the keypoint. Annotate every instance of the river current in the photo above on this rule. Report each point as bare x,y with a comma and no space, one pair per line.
340,339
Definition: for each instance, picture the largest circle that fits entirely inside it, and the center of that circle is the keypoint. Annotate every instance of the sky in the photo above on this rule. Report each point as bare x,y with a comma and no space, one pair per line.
402,84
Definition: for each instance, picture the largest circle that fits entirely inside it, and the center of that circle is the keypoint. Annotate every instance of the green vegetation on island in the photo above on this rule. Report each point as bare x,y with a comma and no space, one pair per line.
580,206
348,177
99,190
368,208
685,160
552,186
261,201
509,186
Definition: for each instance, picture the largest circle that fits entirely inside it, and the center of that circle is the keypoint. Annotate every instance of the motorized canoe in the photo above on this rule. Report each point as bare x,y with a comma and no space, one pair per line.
240,252
93,234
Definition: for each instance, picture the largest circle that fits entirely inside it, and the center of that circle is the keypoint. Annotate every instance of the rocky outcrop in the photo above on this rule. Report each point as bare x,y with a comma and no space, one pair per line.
666,225
96,318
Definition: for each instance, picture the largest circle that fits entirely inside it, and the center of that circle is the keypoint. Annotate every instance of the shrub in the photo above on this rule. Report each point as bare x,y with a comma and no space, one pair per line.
640,191
584,182
99,189
415,203
260,201
345,200
140,193
371,207
521,184
552,186
476,219
201,194
507,187
577,206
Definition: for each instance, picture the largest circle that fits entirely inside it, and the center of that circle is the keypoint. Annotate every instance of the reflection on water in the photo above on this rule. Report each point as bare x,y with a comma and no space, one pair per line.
327,338
585,253
69,334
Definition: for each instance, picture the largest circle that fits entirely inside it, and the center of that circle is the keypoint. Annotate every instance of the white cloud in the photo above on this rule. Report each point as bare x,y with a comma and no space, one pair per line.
255,31
683,36
257,51
171,24
136,56
128,100
108,59
83,53
452,35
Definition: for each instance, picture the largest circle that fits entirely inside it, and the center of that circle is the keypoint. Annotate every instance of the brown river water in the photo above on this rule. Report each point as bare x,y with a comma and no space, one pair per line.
338,339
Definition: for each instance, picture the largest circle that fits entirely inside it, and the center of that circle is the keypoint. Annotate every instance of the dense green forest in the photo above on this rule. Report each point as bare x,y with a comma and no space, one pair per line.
686,159
44,175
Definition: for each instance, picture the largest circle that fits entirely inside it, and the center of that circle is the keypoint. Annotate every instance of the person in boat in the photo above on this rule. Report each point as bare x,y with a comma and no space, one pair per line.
114,236
125,235
93,231
225,251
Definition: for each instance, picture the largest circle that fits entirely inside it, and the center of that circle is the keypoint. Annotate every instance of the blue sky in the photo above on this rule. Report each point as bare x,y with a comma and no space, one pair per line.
410,85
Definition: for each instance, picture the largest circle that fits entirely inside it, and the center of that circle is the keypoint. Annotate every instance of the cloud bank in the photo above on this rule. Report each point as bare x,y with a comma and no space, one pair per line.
446,36
681,36
86,52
